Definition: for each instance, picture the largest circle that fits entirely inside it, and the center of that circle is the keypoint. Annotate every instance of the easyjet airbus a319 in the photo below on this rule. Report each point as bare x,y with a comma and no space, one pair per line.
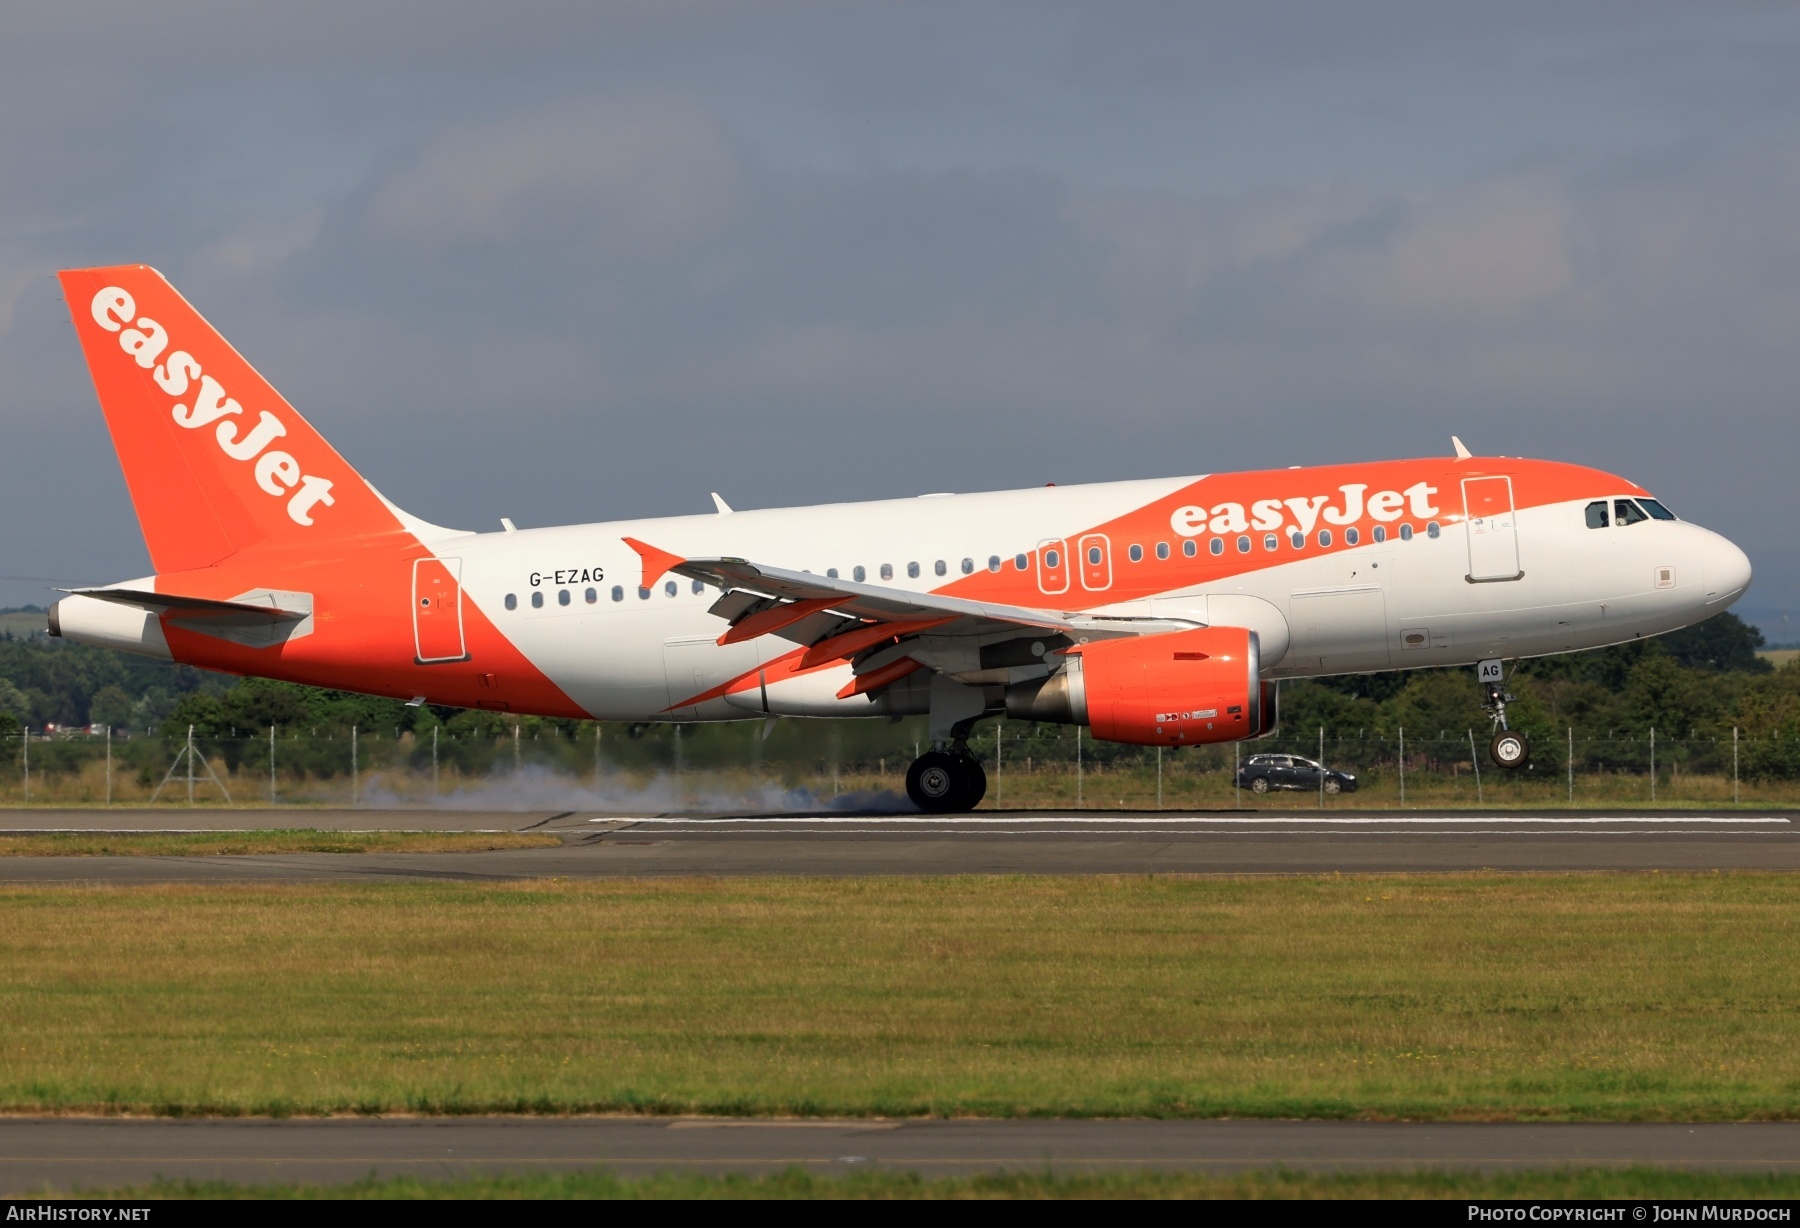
1157,612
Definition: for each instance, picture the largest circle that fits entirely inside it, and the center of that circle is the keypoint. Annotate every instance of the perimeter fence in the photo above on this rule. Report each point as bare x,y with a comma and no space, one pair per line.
849,764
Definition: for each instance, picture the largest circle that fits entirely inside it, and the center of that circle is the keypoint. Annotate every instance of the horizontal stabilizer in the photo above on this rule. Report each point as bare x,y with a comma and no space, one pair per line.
244,611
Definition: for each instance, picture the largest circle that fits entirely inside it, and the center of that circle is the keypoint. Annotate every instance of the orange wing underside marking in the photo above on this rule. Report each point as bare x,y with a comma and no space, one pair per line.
767,622
876,679
849,643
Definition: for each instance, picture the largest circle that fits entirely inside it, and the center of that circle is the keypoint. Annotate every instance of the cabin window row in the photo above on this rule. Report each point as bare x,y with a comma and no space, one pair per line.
591,596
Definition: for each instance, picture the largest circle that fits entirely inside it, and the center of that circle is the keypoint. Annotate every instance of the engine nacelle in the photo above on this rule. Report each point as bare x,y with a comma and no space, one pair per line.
1183,688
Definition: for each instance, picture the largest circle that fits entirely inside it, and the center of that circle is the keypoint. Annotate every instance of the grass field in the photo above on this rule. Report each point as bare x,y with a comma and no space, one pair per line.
244,843
1588,1183
1561,996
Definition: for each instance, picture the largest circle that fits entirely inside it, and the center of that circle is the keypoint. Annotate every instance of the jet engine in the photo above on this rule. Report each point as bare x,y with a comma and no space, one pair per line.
1183,688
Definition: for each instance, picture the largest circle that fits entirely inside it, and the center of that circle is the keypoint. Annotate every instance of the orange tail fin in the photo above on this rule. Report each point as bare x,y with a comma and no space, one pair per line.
216,460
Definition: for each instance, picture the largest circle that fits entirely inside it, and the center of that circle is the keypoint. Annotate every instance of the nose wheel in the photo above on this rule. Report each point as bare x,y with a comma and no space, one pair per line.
943,782
1508,748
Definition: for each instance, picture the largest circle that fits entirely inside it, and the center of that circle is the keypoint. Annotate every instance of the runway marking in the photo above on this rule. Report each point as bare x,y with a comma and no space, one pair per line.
965,820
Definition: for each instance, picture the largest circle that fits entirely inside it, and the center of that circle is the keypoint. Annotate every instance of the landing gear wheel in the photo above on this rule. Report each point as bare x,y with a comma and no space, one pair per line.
1260,785
974,784
941,783
933,782
1509,749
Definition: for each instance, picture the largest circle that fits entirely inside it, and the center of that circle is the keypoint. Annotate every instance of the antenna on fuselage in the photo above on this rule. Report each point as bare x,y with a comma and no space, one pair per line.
1462,453
718,502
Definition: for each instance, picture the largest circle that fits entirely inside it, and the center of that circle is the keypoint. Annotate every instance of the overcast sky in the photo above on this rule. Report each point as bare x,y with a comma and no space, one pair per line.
567,262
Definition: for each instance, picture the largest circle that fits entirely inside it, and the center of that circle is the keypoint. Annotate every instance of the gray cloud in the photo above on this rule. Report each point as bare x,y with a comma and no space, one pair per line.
581,263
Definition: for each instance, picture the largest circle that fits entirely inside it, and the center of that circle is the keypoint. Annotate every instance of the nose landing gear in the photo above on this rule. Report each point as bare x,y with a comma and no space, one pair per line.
1508,748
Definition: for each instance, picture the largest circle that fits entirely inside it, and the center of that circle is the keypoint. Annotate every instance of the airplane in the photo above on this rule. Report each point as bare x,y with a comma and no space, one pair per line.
1156,612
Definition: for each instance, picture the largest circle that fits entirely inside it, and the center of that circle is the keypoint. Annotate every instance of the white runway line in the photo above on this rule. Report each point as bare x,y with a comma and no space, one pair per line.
1196,820
940,832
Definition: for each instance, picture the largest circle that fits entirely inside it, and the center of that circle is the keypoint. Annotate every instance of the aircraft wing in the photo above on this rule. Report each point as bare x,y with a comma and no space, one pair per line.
840,619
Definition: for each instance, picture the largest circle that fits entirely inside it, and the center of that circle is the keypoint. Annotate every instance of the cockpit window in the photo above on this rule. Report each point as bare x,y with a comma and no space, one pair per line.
1596,515
1628,512
1657,511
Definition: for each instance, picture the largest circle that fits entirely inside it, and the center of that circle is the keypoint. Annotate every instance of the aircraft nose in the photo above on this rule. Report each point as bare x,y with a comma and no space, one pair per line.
1727,570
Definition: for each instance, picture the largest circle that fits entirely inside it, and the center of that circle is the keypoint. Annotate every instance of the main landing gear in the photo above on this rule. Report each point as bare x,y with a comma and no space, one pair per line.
946,781
1508,748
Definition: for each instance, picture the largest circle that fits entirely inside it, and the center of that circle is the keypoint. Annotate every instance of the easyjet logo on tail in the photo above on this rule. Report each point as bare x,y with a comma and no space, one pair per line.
276,472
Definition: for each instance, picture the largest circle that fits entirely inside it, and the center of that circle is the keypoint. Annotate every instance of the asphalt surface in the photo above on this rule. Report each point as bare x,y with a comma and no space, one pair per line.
1095,842
62,1154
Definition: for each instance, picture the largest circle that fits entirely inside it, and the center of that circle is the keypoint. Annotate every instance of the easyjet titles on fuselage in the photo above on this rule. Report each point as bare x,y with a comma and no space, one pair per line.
276,472
1266,515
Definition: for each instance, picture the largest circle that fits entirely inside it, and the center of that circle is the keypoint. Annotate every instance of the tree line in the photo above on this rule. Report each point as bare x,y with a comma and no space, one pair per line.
1697,683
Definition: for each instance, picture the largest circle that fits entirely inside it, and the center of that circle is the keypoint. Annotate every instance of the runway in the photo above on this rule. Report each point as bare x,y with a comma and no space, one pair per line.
68,1153
993,842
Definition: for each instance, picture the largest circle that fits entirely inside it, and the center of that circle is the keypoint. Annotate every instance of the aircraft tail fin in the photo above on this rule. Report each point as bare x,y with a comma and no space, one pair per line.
216,460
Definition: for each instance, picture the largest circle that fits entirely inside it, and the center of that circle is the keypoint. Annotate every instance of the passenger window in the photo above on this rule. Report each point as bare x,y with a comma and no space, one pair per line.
1627,512
1190,547
1596,514
592,596
1094,555
1162,550
1405,532
1021,562
562,596
1243,545
537,601
1351,537
858,574
643,594
512,602
670,588
887,571
1137,553
618,592
1271,542
1324,537
1380,534
912,571
1657,511
1217,545
993,562
699,587
1431,529
1052,559
939,567
831,573
968,567
1297,540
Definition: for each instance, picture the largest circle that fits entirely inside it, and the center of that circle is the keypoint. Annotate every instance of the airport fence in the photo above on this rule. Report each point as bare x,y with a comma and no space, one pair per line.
819,764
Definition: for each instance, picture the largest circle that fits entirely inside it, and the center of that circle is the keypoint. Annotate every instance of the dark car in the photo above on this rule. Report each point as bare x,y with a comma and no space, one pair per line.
1260,773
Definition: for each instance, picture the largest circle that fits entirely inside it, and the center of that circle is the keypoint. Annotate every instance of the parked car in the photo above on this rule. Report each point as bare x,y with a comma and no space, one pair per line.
1260,773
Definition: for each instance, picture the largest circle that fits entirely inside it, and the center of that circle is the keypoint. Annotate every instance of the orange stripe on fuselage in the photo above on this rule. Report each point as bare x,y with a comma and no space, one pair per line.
1535,483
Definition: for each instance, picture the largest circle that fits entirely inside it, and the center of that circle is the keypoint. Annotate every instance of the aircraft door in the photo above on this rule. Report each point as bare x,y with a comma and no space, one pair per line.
1053,566
1095,553
1493,529
437,611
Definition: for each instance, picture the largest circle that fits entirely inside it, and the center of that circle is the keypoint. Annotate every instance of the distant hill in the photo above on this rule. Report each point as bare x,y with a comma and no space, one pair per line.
22,621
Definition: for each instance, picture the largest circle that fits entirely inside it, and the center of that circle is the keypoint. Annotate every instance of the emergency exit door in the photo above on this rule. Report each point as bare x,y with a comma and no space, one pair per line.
437,611
1493,529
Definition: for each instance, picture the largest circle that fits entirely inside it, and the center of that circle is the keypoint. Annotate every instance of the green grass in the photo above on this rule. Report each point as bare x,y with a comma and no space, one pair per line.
1602,997
245,843
1583,1183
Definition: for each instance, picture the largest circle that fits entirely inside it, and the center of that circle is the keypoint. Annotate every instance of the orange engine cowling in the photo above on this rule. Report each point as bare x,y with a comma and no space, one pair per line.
1182,688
